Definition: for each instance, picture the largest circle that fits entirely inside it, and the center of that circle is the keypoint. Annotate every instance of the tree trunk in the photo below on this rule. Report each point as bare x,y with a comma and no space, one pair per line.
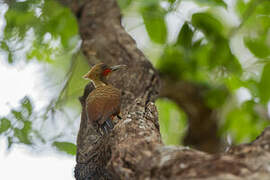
134,149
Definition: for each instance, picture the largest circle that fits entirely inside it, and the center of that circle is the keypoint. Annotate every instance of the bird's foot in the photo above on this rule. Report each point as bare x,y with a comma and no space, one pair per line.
107,126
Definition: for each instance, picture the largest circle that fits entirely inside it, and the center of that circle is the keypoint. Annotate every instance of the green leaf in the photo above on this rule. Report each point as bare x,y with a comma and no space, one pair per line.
208,24
240,7
258,7
26,103
10,142
172,121
259,47
233,82
23,134
264,84
41,51
61,22
253,86
154,20
257,27
5,125
20,6
221,55
212,2
18,115
67,147
215,97
6,48
185,36
171,63
171,1
243,123
18,22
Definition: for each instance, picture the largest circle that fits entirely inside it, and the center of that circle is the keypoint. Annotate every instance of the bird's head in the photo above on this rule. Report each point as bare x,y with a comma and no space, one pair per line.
101,71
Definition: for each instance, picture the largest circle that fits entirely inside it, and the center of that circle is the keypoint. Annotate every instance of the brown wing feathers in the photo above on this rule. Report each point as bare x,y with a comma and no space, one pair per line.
102,103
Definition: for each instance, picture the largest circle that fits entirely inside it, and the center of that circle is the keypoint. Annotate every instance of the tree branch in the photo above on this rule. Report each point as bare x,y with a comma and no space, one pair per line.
134,149
202,130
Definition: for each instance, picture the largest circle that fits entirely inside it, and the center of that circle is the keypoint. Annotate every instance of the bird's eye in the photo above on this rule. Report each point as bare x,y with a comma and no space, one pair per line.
106,72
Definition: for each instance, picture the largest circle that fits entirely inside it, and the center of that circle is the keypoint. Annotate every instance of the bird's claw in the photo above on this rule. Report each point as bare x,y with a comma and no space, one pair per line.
110,123
107,126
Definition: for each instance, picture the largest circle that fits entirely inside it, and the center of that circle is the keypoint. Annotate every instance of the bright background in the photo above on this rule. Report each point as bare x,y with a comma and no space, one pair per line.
23,162
41,69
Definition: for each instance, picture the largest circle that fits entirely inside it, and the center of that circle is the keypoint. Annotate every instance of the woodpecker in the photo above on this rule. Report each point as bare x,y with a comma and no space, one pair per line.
104,102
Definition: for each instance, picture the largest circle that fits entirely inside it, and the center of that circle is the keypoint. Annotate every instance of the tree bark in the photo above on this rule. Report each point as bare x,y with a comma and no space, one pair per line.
134,149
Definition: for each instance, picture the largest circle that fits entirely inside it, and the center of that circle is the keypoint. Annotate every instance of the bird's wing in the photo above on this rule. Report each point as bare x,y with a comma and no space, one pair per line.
103,103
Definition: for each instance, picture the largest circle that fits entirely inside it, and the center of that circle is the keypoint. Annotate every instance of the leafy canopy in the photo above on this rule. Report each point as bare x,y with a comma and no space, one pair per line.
202,52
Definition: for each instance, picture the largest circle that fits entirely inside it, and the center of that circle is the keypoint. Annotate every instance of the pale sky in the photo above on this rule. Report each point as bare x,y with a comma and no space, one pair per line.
22,162
20,80
52,165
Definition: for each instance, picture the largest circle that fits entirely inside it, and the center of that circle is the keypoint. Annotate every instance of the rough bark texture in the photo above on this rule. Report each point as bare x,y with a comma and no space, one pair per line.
134,149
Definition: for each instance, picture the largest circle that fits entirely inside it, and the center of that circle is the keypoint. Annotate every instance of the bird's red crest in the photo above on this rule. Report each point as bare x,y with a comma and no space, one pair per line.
106,72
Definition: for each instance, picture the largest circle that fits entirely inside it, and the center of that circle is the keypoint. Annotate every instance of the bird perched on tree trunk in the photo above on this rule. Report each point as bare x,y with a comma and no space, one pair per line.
104,102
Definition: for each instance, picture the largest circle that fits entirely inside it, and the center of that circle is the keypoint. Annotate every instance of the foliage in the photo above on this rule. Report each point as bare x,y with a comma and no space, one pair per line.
264,85
249,120
67,147
27,125
17,126
50,37
202,52
172,121
47,25
154,20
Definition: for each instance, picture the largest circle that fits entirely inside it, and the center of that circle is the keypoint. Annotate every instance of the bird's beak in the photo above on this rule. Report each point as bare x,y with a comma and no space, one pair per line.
86,76
122,66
